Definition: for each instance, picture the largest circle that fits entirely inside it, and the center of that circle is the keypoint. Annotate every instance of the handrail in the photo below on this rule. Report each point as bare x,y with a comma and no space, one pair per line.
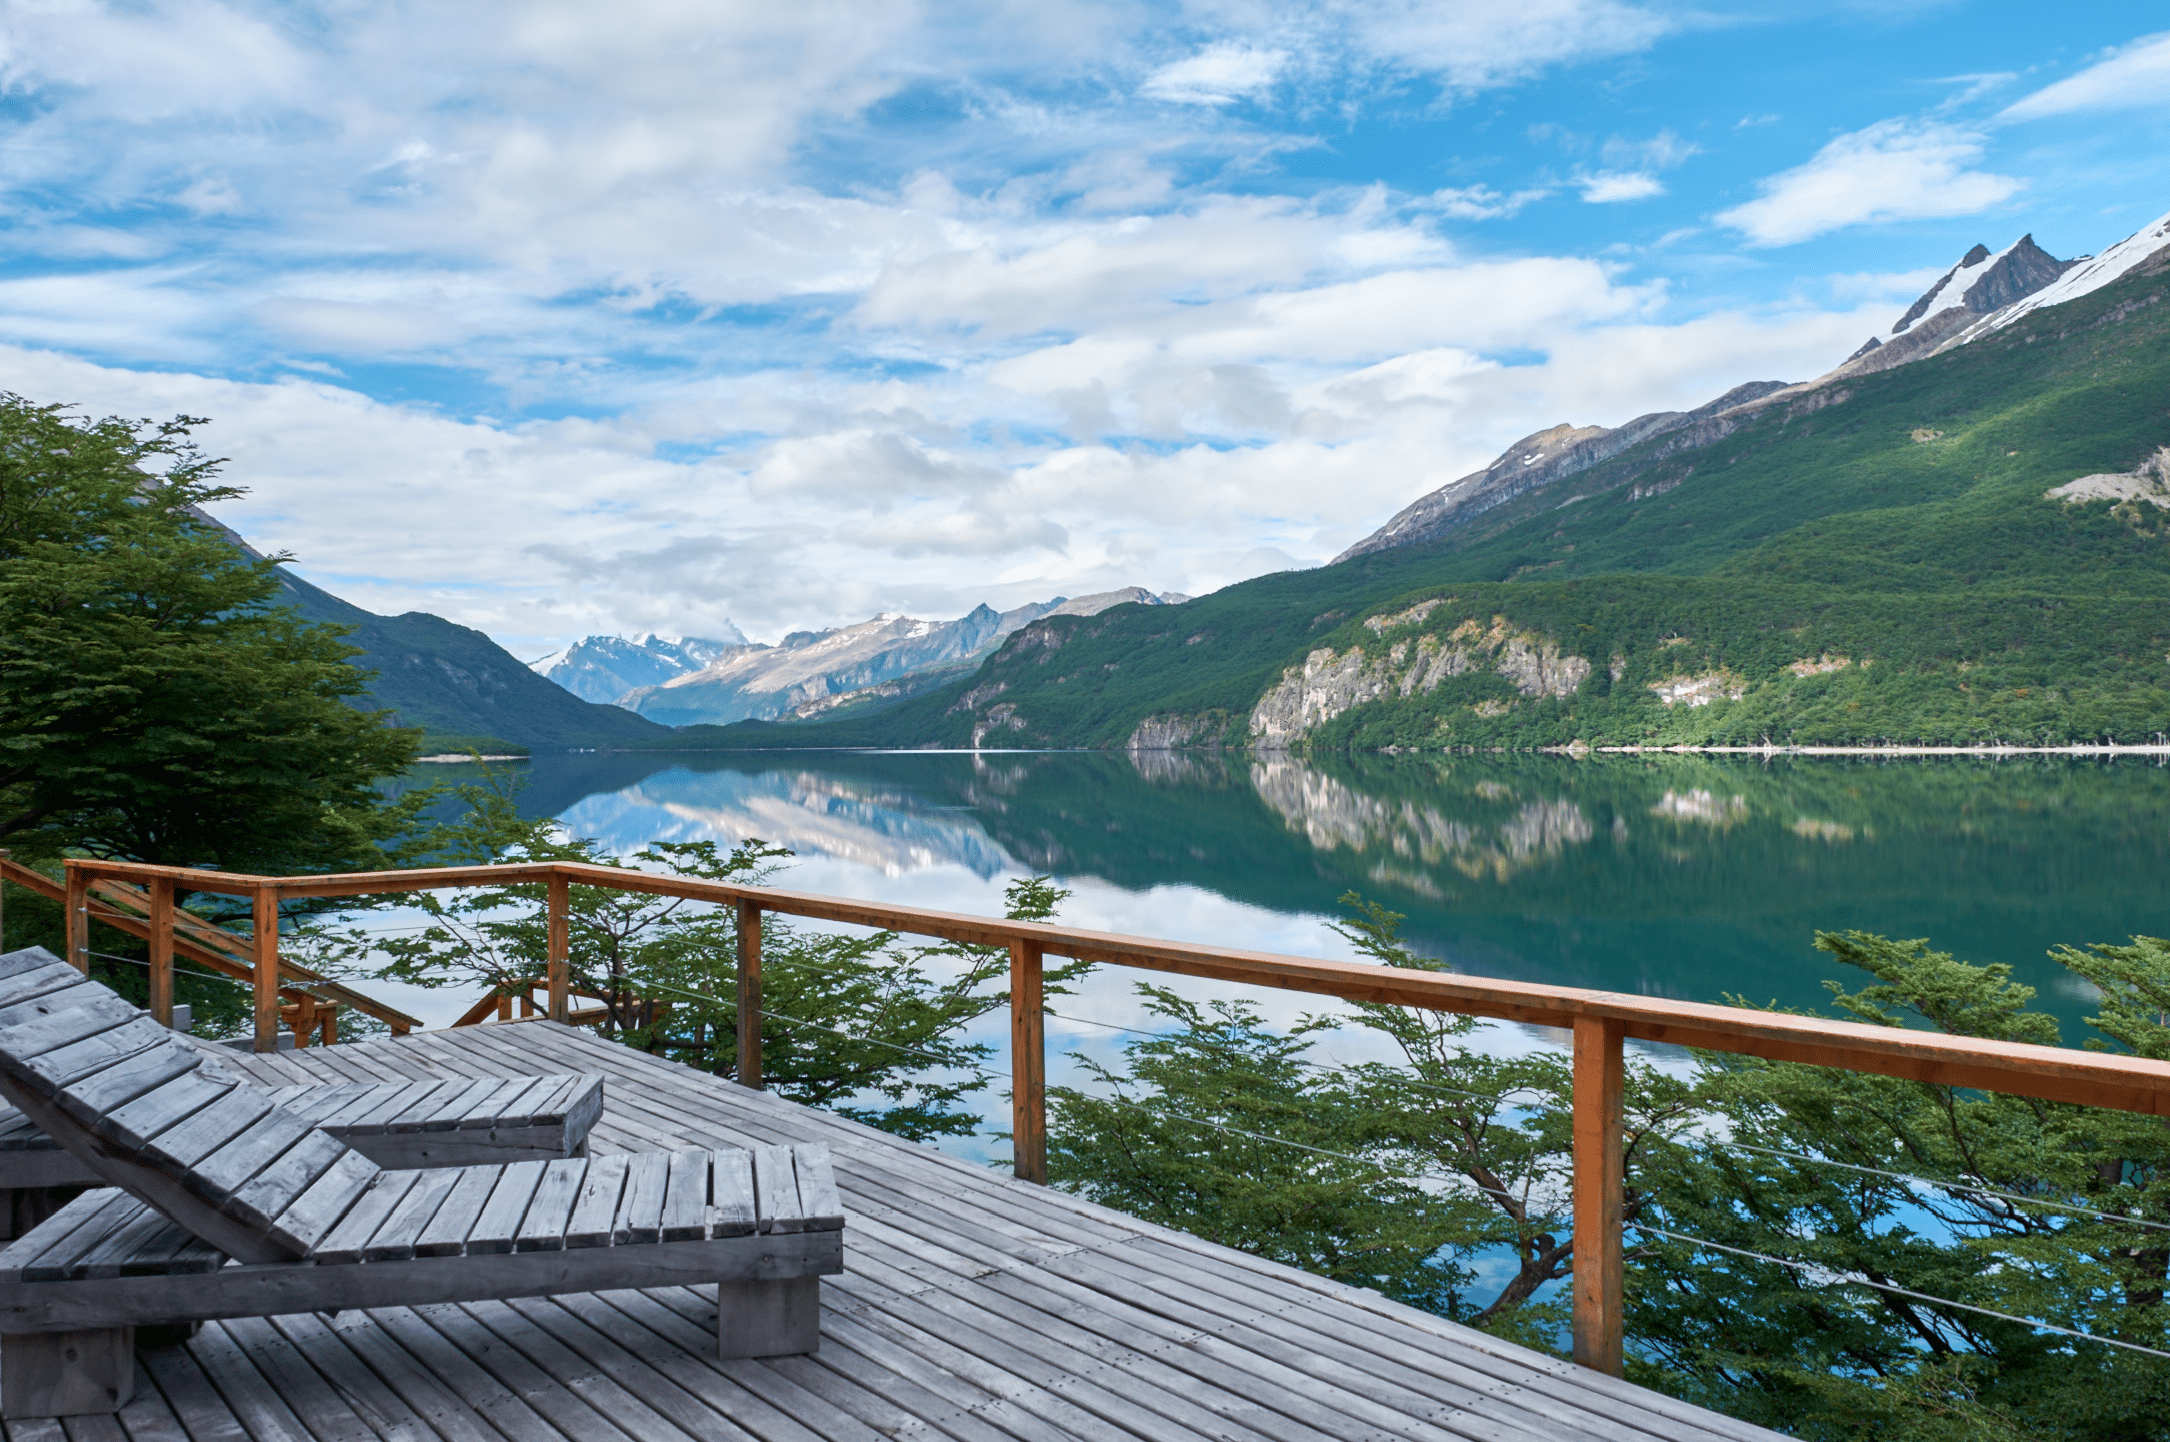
201,941
1599,1020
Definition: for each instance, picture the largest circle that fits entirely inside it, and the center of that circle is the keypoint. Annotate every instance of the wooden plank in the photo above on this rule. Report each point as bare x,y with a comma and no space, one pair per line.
685,1198
264,1197
270,1290
446,1234
91,1099
50,1245
367,1096
336,1397
551,1210
818,1198
533,1407
351,1233
1028,1064
776,1190
582,1109
392,1104
21,1046
596,1208
394,1239
313,1104
732,1212
442,1411
188,1142
138,1228
133,1126
171,1253
518,1109
1598,1295
498,1225
749,996
79,997
34,971
640,1212
218,1176
447,1106
552,1110
319,1207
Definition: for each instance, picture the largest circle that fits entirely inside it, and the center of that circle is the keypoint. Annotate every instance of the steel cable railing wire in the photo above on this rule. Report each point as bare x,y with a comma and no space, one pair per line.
1951,1186
1840,1279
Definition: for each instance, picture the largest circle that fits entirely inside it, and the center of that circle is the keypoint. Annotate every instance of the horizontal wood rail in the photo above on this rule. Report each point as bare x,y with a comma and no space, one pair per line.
111,901
1599,1020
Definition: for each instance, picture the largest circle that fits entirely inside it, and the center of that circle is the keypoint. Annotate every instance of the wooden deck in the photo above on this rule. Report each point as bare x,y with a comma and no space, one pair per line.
973,1307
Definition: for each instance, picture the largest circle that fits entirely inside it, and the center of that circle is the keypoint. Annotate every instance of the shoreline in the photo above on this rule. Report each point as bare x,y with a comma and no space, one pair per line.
2074,749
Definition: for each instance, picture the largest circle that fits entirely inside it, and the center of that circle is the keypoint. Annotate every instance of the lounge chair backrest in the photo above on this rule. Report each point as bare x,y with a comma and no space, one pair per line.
134,1102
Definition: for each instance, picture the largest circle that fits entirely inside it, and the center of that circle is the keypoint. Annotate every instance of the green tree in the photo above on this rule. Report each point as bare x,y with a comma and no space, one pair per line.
867,1026
154,704
2032,1209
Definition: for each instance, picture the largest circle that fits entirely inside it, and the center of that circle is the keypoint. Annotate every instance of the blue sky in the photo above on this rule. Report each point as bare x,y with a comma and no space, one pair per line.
559,318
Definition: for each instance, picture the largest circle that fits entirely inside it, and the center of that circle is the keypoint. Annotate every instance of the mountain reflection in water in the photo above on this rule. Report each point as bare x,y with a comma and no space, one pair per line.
1692,877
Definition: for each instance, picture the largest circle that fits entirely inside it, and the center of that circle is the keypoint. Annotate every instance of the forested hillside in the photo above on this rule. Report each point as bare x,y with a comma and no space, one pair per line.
1877,560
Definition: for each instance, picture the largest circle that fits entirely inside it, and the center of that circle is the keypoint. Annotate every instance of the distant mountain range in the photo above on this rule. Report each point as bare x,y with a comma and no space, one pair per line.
1958,535
687,681
1976,297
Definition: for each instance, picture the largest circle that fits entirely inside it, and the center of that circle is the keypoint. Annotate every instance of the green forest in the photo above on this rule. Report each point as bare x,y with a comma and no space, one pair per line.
1872,562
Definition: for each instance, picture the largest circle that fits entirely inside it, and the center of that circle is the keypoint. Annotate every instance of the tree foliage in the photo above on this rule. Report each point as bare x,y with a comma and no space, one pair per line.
154,705
1442,1178
868,1026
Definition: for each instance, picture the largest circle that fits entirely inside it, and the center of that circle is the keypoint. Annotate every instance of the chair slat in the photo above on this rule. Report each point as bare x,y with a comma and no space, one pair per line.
776,1190
394,1241
72,1022
189,1142
91,1099
141,1224
685,1198
50,1233
640,1211
548,1109
519,1110
217,1177
113,1207
373,1122
263,1198
351,1233
446,1234
447,1105
86,998
49,1072
731,1212
340,1188
47,976
133,1126
595,1210
551,1211
817,1187
499,1224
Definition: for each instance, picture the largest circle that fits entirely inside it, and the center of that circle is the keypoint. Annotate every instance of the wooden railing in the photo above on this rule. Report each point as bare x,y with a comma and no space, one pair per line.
1599,1020
309,1002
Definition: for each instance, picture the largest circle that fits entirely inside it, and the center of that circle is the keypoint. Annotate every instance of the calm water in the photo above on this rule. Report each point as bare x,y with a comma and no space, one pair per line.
1676,876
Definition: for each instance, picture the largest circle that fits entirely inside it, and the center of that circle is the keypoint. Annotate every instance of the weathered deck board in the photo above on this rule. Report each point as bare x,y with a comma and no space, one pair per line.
973,1308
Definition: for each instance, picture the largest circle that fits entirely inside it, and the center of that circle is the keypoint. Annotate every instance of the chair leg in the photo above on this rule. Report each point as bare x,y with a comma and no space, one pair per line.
67,1374
768,1319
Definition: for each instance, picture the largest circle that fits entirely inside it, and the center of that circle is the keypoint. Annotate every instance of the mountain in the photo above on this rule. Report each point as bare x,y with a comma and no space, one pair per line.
1537,461
464,690
603,668
1976,291
1970,546
810,672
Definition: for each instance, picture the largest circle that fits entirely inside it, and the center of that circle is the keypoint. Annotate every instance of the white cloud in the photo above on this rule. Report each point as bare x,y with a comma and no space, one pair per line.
1606,187
2136,75
1479,202
1893,170
1216,75
1474,44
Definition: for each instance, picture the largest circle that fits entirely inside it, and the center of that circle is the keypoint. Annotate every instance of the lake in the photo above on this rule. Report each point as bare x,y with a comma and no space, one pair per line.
1680,876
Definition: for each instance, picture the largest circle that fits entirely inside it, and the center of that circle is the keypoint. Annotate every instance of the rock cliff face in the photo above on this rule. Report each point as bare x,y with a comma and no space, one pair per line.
1328,683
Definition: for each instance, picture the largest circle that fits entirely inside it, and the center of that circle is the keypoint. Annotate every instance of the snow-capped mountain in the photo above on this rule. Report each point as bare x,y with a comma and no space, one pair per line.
1982,294
739,680
603,668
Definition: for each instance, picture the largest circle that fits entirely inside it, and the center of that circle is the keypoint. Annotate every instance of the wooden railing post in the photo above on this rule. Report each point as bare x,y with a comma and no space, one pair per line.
5,856
749,995
160,890
266,959
1028,1064
78,919
561,949
1599,1315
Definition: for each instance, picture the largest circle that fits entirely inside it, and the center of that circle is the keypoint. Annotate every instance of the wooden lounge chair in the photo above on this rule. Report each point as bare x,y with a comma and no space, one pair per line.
229,1205
399,1125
